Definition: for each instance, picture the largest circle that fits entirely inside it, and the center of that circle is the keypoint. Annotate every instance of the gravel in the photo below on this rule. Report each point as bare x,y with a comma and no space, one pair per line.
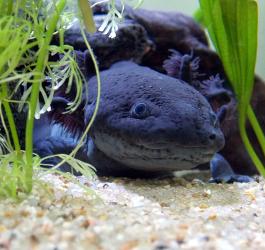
124,214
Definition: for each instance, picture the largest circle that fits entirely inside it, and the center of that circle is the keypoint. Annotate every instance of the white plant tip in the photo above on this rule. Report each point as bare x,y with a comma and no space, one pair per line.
106,31
37,115
42,111
113,33
105,22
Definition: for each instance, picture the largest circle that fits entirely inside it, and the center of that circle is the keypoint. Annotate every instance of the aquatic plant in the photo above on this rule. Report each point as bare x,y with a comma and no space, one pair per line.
233,29
26,31
114,15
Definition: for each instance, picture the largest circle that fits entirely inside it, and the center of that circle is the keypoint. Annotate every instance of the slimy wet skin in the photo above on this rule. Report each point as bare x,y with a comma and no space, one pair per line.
148,125
150,122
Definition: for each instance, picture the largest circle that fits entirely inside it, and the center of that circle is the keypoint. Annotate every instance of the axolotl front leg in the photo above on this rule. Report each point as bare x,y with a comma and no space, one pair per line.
221,171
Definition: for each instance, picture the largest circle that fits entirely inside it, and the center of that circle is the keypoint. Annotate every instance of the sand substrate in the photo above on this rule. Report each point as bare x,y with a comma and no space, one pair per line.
124,214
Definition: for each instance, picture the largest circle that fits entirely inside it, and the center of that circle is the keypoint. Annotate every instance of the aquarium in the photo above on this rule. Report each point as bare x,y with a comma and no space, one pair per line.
131,124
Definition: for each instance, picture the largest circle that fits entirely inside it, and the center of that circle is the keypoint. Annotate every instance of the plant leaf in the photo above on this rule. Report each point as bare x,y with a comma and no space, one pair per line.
87,15
233,28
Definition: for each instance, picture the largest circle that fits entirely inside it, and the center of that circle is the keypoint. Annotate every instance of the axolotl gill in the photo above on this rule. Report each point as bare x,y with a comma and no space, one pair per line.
147,123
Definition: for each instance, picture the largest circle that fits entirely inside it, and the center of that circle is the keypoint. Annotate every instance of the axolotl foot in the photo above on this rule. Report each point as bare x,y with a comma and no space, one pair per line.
223,173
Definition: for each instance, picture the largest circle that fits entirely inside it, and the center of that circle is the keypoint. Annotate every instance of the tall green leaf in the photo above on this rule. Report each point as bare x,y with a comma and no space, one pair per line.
233,28
87,15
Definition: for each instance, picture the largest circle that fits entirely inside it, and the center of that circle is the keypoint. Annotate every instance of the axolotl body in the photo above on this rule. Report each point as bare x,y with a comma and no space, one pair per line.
147,124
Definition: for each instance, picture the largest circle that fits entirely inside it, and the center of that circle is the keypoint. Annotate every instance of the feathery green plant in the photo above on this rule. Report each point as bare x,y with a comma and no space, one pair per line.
26,30
233,29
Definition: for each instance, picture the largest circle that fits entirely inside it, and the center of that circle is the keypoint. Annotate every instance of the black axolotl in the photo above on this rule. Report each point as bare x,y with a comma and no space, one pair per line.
148,124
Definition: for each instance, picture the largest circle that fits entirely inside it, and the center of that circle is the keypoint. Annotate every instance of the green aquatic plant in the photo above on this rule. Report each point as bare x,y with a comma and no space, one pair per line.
233,29
87,15
26,31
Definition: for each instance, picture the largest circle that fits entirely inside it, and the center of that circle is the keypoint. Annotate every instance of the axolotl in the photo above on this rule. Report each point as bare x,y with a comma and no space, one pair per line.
148,124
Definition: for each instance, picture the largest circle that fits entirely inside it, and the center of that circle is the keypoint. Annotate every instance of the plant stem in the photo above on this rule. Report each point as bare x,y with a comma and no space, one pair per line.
256,127
34,97
10,7
249,147
10,118
98,91
82,138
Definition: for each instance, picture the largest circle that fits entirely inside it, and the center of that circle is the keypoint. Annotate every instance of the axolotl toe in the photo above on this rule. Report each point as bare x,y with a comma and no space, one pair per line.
147,122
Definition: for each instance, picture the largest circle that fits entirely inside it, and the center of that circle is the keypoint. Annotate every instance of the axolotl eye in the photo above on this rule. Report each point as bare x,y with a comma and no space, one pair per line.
140,110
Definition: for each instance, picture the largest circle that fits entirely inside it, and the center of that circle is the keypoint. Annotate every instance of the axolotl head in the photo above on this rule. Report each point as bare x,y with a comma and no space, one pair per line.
149,121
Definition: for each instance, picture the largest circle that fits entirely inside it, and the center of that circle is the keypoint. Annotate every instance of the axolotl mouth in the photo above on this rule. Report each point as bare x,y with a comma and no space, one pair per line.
149,121
153,157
